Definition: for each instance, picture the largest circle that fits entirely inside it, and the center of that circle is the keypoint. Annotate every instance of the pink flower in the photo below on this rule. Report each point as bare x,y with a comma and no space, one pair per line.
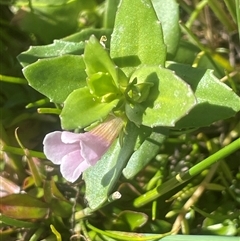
77,152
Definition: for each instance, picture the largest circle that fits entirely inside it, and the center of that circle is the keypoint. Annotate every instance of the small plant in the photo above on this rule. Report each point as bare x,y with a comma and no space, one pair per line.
130,111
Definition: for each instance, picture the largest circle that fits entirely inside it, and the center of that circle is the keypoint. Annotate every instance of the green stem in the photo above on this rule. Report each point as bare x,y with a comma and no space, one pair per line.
193,199
84,231
57,234
183,177
157,192
31,163
14,80
237,3
196,12
226,184
37,234
49,111
21,152
38,103
211,55
185,6
224,152
232,7
9,157
215,5
88,211
181,237
219,217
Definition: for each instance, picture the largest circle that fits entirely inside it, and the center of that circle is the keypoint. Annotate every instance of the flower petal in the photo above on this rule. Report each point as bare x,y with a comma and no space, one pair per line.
73,165
92,147
69,137
55,149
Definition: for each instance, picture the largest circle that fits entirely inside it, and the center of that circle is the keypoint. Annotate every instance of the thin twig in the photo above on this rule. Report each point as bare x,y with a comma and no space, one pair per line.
194,198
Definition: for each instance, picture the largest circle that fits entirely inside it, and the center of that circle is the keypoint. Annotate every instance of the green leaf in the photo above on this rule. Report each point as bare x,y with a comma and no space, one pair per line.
181,237
237,3
130,220
137,37
97,59
57,48
169,99
57,77
101,85
168,14
216,101
17,223
227,227
82,109
101,178
186,53
15,206
110,13
73,44
145,153
61,208
207,61
49,20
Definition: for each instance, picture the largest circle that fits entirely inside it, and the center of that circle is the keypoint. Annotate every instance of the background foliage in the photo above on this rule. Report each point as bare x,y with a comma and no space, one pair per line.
152,201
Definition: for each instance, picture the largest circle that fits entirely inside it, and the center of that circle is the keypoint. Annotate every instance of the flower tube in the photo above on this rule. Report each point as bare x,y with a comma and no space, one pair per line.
77,152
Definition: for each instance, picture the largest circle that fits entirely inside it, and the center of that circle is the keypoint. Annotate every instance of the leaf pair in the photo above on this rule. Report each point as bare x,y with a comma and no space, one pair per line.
63,80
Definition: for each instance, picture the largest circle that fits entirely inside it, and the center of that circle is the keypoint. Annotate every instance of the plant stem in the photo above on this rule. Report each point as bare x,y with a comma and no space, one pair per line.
8,157
14,80
215,5
196,12
21,152
49,111
224,152
185,176
194,198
